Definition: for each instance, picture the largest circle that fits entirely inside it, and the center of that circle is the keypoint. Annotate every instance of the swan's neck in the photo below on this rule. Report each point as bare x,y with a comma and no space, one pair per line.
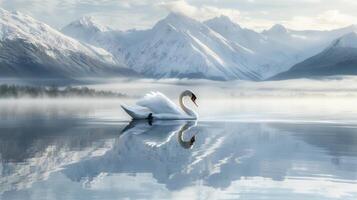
188,111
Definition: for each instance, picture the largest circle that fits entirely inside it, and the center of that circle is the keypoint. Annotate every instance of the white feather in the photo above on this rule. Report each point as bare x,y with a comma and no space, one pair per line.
157,102
158,105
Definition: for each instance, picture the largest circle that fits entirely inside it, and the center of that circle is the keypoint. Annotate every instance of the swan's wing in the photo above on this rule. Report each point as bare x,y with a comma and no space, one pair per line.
136,112
159,103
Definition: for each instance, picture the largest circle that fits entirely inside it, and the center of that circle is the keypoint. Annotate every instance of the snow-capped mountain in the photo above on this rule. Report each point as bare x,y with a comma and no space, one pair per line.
308,42
339,58
179,46
87,30
274,55
245,37
31,48
176,46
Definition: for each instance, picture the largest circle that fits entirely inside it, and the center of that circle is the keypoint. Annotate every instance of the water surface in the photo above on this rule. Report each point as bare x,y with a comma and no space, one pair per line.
82,149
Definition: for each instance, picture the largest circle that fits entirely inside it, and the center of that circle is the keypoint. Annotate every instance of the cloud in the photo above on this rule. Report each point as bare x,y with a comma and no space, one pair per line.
203,12
329,19
142,14
179,7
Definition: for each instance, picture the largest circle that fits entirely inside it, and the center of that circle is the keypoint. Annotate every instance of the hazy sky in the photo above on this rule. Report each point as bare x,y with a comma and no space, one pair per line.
256,14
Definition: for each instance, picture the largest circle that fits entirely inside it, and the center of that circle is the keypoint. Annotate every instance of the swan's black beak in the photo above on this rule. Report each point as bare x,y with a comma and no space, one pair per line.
193,139
193,98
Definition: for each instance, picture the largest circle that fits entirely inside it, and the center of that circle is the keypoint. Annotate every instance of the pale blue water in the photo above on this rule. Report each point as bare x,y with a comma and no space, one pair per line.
88,152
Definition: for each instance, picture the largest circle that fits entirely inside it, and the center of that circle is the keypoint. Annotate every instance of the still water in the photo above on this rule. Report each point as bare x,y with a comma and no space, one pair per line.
90,150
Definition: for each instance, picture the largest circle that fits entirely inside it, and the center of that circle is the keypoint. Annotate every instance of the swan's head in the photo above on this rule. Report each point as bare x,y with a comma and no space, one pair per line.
193,97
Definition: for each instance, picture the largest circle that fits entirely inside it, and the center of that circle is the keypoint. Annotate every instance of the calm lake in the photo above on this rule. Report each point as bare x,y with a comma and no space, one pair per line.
238,149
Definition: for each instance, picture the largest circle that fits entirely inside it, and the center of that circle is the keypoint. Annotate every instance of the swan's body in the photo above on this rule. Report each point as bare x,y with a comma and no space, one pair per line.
157,106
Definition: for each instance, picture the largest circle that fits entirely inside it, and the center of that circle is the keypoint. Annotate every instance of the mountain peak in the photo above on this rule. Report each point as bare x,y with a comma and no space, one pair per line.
12,16
88,22
178,20
222,21
278,28
14,25
32,48
176,16
223,18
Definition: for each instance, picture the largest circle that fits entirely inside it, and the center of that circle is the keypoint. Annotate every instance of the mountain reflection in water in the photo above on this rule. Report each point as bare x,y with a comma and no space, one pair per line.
87,157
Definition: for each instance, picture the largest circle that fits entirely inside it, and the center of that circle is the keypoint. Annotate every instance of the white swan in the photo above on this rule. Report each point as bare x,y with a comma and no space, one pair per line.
156,105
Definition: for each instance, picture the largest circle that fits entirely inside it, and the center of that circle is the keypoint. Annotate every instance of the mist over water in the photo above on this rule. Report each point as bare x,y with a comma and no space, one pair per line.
334,86
245,146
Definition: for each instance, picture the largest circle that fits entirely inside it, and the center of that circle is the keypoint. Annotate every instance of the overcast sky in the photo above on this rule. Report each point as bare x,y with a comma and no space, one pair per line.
141,14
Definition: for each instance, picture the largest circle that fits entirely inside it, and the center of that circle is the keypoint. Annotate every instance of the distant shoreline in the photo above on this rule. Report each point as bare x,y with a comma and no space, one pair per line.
12,91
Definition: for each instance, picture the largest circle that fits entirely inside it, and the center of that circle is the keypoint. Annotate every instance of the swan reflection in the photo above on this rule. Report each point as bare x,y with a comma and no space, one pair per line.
160,132
185,144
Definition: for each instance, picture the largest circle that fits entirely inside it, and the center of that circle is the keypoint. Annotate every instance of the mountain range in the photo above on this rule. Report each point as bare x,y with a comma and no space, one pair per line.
178,46
175,47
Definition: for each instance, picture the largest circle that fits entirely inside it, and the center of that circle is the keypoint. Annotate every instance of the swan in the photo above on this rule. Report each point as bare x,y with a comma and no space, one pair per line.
156,105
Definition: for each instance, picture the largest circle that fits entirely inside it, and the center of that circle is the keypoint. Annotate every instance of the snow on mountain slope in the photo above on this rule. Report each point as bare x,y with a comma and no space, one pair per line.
339,58
273,56
31,48
176,46
84,28
89,31
309,42
233,32
347,41
183,47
